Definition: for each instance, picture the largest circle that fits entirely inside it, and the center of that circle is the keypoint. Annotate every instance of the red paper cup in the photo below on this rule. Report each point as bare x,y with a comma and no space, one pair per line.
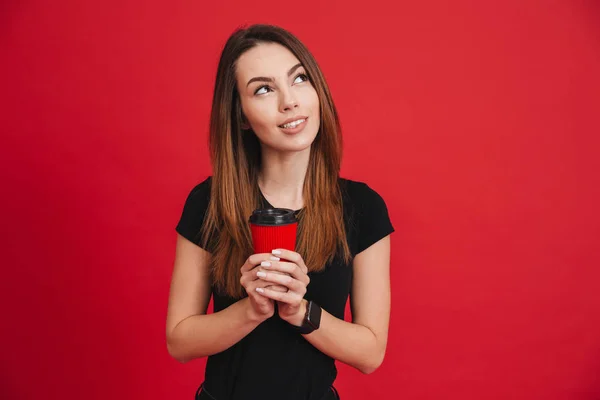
273,228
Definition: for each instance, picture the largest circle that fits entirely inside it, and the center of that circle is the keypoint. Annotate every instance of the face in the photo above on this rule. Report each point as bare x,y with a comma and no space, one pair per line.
278,101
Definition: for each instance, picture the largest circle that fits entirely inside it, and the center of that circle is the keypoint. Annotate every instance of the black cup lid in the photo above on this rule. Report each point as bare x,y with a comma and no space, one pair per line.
273,216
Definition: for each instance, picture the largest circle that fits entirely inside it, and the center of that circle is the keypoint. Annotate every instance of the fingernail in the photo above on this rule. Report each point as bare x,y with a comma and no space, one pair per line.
265,264
275,258
276,252
261,274
260,290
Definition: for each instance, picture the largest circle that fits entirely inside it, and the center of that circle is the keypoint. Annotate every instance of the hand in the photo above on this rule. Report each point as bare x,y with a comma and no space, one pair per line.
292,274
261,307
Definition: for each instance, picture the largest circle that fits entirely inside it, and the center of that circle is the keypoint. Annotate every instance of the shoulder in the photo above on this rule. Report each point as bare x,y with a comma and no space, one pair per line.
360,193
202,189
194,211
199,197
368,211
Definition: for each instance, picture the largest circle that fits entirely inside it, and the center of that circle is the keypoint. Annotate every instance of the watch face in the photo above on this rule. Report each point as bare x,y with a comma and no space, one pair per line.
314,315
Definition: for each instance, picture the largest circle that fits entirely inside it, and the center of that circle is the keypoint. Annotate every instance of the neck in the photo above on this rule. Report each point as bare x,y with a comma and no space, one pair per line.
281,178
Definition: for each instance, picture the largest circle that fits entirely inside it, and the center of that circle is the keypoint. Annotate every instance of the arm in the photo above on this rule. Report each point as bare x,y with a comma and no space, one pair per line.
361,343
191,333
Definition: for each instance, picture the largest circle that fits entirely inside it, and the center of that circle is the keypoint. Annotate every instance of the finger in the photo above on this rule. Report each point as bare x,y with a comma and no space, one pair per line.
253,291
262,268
263,284
288,297
294,285
290,256
278,288
250,278
286,267
254,260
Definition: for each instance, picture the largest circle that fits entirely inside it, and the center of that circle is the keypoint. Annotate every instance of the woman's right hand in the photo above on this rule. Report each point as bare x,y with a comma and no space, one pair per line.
261,307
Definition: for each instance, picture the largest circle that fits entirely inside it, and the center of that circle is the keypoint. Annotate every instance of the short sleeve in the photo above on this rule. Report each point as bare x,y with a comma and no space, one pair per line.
373,219
194,211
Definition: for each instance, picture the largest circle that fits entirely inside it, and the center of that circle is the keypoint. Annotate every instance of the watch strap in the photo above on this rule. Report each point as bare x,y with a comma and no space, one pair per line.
312,319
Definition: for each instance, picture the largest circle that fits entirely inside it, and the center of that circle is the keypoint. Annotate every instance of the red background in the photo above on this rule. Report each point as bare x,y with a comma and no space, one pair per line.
477,122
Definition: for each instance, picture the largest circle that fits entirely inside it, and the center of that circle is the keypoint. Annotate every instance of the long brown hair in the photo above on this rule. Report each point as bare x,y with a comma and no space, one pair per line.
236,156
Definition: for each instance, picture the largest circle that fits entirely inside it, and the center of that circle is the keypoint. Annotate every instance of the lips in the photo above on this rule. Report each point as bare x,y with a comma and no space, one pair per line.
297,120
294,128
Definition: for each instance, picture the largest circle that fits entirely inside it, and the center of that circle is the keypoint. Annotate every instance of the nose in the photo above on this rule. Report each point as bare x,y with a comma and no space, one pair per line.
288,100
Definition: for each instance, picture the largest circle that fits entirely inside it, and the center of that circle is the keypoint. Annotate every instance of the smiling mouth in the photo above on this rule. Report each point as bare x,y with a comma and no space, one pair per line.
293,124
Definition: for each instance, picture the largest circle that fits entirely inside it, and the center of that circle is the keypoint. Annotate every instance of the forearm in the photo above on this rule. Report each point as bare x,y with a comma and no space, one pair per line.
350,343
203,335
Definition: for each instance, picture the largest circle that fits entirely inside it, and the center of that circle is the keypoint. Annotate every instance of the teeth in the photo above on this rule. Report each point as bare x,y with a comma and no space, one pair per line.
293,124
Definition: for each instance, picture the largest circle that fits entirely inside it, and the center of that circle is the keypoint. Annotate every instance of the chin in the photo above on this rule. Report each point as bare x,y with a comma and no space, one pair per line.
298,143
292,147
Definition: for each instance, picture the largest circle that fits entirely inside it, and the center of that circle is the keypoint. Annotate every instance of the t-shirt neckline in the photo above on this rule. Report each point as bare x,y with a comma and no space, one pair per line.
269,205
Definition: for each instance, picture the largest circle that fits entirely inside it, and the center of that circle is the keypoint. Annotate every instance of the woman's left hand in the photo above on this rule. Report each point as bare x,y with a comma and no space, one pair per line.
292,274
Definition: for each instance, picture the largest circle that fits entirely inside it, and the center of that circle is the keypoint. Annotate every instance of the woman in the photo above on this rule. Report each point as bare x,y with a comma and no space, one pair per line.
278,327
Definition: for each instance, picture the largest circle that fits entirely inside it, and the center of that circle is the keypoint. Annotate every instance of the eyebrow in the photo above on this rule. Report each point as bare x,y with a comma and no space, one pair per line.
266,79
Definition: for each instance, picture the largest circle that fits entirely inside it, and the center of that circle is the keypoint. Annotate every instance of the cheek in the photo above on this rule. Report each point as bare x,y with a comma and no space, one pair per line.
315,106
257,113
310,98
313,101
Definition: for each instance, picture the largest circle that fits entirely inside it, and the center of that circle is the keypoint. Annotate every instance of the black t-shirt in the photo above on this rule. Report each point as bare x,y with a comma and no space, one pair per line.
273,361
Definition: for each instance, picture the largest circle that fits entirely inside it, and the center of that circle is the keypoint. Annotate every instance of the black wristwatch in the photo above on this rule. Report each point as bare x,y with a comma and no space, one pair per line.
312,319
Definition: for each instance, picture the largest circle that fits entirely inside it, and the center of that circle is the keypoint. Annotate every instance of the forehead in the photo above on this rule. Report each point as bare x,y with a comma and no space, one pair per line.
265,59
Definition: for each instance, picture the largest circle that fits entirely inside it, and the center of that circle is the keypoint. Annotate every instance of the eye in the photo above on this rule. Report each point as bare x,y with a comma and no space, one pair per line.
302,77
263,89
